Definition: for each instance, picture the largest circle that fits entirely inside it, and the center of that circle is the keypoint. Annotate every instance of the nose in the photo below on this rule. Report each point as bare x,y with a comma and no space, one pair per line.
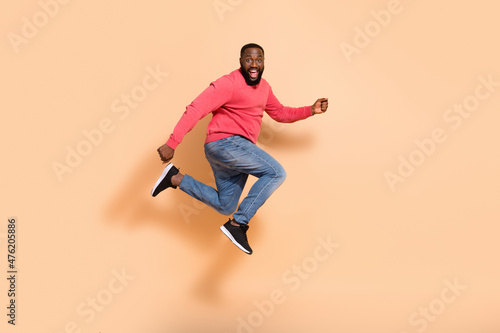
253,63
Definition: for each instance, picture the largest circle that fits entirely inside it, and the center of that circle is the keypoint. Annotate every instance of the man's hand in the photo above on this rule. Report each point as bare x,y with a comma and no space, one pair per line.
166,153
320,106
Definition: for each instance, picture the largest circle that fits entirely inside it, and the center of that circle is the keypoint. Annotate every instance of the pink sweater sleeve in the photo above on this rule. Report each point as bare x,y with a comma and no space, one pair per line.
209,100
285,114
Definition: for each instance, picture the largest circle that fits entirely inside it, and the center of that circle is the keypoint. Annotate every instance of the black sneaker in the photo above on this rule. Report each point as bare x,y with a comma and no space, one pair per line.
165,180
237,235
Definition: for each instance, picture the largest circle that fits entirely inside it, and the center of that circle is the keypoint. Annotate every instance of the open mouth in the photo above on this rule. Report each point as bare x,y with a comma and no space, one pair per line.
254,73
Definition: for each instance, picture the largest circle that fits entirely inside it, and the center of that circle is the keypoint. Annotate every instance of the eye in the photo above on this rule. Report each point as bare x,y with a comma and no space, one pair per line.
248,61
259,61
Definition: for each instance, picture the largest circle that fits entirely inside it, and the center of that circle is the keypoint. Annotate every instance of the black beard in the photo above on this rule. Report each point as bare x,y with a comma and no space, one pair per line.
247,77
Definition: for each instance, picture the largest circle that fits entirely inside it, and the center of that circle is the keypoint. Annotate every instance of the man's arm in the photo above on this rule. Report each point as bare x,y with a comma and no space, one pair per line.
213,97
285,114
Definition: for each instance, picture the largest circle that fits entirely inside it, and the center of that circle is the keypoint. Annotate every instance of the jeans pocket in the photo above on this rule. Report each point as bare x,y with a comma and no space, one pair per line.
213,147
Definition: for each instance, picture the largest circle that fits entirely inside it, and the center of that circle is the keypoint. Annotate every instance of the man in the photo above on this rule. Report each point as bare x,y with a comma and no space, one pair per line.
237,102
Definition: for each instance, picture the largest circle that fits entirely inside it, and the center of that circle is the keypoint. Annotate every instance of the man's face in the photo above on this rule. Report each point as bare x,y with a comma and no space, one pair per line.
252,65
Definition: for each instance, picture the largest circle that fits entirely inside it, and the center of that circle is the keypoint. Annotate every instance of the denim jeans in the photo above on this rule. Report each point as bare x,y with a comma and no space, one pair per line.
232,159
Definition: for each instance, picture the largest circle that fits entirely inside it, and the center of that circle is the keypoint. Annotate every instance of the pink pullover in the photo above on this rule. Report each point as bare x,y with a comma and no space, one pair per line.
236,108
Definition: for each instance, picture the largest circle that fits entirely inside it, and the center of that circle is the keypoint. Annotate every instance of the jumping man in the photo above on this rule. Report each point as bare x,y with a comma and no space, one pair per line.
237,102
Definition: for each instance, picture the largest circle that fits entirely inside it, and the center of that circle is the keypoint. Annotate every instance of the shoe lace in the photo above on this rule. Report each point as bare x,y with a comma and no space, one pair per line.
244,229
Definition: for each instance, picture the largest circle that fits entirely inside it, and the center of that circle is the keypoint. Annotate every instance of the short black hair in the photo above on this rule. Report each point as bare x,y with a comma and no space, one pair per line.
250,45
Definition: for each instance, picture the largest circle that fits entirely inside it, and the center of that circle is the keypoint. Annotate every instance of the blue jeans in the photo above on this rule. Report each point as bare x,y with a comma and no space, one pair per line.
232,159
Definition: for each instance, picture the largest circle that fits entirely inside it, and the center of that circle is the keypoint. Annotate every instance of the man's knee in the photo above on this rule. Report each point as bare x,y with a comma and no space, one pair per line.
228,209
280,174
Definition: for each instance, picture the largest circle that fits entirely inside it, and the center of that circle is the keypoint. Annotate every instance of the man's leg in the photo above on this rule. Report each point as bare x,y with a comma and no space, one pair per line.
229,182
225,198
232,160
242,156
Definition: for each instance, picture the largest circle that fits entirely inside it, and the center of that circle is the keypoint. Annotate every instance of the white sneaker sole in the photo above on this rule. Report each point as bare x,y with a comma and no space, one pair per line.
228,234
163,174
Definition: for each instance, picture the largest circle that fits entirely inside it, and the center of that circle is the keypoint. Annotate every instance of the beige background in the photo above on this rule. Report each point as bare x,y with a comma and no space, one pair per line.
399,248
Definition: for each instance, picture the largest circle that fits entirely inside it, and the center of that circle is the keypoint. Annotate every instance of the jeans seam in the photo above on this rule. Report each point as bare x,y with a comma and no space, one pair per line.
262,190
234,194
